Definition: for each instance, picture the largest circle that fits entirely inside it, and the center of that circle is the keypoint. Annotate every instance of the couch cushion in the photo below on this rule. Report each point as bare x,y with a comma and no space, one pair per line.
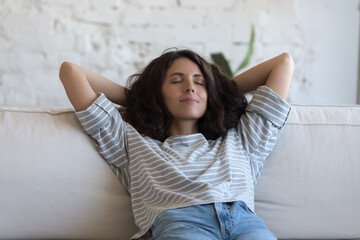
310,186
53,183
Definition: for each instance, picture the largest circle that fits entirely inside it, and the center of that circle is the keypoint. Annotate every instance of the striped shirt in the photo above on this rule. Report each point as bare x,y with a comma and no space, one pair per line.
189,169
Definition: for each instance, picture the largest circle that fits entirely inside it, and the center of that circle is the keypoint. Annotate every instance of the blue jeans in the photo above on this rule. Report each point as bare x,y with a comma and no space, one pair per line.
230,221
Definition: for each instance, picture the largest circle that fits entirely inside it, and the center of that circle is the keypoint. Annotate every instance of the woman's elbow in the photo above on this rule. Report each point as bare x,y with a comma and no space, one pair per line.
65,70
287,60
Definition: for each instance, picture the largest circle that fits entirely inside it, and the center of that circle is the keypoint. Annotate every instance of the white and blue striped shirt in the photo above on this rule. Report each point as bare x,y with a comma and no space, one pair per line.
187,170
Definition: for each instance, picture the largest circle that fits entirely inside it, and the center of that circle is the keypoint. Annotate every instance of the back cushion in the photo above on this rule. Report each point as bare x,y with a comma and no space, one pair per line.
310,186
53,183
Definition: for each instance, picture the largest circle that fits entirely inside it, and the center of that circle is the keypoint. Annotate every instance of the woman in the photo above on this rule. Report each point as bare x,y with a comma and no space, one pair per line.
188,147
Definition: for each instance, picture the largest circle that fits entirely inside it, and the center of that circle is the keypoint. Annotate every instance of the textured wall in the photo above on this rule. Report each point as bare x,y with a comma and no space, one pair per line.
118,37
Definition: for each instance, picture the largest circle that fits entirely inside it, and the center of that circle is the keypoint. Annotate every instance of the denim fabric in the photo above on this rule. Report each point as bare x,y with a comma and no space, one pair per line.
228,221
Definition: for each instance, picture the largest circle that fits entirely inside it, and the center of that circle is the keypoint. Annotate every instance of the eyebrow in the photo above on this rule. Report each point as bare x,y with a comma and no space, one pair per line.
181,74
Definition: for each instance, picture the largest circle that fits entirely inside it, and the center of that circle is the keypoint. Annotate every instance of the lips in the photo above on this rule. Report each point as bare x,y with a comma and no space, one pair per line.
189,100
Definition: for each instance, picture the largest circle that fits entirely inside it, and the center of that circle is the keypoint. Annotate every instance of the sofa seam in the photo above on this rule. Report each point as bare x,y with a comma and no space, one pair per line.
39,112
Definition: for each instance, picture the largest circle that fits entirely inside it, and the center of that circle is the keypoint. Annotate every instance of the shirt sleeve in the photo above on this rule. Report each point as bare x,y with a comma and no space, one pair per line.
103,122
259,126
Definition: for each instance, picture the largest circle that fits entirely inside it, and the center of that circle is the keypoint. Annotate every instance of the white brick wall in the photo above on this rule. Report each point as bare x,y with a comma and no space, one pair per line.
118,37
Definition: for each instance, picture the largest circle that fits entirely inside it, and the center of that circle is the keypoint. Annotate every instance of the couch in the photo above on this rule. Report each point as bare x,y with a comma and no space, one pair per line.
54,184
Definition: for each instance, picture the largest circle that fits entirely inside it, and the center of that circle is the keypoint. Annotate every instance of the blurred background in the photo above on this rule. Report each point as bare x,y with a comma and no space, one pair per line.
119,37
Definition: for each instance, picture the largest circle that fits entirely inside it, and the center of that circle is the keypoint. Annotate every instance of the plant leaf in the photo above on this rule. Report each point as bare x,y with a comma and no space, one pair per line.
250,51
220,60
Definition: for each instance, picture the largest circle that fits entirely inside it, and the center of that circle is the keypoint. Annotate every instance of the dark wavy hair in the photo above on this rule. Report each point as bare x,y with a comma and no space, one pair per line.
145,109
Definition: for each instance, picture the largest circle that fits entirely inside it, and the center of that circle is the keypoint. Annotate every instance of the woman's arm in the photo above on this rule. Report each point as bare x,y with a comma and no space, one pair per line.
275,73
82,84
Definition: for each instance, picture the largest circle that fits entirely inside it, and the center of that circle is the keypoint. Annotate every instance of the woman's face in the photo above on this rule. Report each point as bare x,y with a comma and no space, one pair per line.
184,90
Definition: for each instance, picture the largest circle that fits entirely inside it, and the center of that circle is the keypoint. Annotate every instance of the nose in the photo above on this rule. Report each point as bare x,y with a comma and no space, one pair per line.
189,88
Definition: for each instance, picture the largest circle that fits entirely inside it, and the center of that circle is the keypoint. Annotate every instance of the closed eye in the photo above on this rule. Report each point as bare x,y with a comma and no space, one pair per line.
176,81
199,80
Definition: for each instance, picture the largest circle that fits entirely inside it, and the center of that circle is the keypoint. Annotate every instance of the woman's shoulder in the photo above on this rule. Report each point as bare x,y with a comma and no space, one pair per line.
102,112
268,105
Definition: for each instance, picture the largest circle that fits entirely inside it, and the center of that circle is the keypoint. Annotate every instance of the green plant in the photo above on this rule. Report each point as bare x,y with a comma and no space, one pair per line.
220,60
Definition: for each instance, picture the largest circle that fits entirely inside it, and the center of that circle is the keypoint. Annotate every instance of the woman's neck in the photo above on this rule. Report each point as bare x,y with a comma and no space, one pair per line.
183,128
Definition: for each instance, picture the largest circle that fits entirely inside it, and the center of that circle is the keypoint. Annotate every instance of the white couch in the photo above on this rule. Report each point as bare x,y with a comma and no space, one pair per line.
54,184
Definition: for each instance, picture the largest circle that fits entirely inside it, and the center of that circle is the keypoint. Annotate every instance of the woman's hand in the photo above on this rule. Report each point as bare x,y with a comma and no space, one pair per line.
82,84
275,73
